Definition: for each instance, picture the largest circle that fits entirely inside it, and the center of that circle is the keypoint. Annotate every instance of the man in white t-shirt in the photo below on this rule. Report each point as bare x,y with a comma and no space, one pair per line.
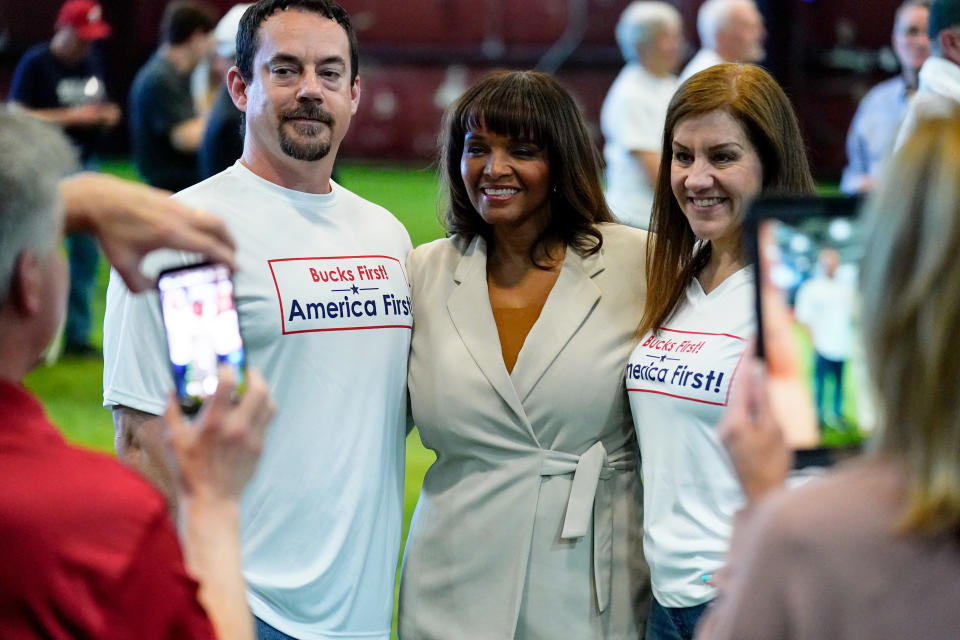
649,35
324,308
825,306
730,31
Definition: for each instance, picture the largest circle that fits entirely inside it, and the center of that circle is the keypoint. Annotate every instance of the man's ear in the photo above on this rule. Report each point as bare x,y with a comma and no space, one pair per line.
237,87
355,96
26,292
949,41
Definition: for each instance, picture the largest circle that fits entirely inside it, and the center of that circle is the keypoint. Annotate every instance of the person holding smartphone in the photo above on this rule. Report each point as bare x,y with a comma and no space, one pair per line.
730,134
871,551
87,549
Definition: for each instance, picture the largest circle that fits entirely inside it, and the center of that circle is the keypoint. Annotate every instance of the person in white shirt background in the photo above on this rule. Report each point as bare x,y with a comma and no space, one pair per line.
730,31
650,38
825,304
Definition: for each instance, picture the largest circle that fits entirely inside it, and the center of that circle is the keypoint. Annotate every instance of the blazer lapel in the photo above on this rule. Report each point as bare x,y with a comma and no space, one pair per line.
469,308
570,302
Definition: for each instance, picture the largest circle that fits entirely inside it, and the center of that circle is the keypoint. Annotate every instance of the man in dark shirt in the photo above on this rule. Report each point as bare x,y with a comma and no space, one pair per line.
62,81
223,139
165,128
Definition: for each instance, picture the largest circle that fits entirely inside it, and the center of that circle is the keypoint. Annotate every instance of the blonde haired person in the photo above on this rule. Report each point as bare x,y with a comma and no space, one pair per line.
872,551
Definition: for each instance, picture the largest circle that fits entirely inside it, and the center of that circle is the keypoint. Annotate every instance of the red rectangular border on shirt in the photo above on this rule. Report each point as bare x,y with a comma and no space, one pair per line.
283,323
732,376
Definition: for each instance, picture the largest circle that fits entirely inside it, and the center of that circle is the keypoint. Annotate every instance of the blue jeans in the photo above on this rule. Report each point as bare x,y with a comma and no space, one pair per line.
266,632
673,623
825,368
84,258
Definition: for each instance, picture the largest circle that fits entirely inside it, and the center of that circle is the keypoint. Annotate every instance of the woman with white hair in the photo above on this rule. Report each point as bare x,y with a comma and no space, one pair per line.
650,38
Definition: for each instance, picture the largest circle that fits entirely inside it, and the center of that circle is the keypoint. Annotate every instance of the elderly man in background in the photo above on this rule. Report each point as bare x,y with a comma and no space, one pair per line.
938,92
730,31
878,117
62,81
650,38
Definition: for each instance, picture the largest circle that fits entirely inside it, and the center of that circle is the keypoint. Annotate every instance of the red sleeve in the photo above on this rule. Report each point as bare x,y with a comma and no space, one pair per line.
156,598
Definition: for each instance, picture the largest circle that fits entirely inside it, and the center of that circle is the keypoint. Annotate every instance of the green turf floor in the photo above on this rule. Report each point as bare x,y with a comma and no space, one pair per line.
71,389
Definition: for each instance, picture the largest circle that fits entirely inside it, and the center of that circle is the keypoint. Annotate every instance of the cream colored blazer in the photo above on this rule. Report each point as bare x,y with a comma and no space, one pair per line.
529,523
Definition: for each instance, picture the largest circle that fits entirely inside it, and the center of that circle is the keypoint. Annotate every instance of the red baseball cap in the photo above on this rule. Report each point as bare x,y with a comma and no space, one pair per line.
85,17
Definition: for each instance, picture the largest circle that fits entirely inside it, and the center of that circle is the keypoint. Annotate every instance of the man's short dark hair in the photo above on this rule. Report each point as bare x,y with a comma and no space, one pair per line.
944,14
182,18
253,17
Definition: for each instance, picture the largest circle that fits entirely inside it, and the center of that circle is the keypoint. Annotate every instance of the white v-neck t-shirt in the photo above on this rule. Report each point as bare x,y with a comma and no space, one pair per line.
678,380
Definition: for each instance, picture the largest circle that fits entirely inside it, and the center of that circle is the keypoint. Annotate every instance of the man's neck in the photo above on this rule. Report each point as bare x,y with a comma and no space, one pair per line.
909,78
296,175
16,362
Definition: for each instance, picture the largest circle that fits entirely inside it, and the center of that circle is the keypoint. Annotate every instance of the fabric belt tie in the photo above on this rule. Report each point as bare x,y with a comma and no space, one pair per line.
589,497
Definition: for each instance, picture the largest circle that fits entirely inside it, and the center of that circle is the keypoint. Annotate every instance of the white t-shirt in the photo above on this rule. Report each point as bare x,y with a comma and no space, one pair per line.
937,96
324,307
679,382
632,120
826,306
704,59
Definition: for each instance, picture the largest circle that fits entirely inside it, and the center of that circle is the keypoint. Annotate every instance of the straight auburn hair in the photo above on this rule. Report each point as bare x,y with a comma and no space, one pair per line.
753,98
531,106
913,231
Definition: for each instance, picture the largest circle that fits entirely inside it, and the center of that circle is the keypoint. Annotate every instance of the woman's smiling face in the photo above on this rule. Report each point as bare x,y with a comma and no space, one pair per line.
714,173
507,180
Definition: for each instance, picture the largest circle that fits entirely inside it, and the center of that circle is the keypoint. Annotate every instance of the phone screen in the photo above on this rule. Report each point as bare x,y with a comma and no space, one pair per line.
810,250
202,327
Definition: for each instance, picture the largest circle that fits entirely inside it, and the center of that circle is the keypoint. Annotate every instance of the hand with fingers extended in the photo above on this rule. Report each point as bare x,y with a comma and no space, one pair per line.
130,220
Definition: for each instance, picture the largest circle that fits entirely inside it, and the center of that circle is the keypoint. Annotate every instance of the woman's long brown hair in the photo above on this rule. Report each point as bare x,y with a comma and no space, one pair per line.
754,99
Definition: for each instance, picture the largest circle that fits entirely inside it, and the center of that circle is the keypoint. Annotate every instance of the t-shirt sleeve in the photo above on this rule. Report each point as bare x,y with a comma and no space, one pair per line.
156,599
23,86
136,367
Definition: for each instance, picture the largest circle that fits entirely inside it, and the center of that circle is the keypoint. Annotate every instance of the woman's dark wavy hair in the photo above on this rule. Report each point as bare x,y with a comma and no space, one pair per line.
528,105
754,99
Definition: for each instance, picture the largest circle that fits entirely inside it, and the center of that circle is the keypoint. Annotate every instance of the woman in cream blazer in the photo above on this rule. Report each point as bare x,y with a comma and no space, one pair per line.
529,523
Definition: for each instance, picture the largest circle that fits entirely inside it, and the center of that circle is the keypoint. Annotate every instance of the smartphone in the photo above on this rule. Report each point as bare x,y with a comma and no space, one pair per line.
202,328
808,251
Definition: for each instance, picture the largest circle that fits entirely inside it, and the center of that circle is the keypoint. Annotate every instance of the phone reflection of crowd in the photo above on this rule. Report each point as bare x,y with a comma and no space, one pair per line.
566,500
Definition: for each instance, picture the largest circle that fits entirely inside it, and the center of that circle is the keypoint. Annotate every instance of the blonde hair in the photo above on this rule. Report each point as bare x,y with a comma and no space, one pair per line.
911,280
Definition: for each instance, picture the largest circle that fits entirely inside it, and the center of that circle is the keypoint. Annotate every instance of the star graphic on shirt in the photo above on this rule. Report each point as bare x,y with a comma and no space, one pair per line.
355,289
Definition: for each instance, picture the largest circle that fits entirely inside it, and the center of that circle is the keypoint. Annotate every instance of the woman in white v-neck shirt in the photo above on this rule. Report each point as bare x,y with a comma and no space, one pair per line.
730,134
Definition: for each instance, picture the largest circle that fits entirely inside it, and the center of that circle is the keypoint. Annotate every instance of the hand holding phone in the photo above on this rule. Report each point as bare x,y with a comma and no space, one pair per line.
202,329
